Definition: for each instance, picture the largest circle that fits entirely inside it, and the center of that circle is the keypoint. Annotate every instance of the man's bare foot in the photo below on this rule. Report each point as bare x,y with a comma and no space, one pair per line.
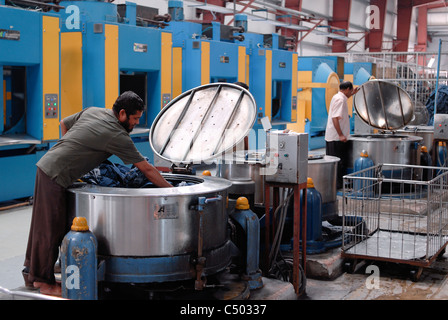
49,289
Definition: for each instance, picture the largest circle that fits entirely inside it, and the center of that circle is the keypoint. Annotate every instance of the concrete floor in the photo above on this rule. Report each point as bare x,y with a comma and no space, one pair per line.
393,281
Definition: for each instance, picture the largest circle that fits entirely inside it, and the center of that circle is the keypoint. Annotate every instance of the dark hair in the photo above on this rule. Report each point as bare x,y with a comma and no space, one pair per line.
130,102
346,85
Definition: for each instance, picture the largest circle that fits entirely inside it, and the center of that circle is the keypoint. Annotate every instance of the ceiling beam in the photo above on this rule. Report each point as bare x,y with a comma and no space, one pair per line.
341,20
422,30
374,38
404,19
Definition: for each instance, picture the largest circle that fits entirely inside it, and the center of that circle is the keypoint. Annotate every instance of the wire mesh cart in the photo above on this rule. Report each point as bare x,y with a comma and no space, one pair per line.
395,213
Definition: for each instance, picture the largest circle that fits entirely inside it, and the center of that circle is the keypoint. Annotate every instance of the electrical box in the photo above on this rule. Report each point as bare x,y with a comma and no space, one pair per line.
287,157
441,126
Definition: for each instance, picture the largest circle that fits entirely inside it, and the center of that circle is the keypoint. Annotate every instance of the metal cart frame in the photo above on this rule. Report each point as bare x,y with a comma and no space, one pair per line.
396,213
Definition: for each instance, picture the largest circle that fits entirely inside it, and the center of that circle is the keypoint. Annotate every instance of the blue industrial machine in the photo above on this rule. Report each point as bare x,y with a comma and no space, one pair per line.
318,83
359,72
29,97
272,81
204,53
213,52
107,49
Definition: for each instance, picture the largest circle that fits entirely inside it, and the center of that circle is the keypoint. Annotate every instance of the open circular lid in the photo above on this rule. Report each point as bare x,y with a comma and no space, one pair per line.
383,105
203,123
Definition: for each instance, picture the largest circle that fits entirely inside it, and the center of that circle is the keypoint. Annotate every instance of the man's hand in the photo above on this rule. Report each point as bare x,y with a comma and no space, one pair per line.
152,174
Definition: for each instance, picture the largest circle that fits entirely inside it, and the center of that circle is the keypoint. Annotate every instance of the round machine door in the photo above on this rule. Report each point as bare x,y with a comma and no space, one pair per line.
203,123
383,105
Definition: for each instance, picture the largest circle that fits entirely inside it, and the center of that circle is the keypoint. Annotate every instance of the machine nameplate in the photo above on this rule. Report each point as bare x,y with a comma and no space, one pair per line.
166,211
140,47
9,34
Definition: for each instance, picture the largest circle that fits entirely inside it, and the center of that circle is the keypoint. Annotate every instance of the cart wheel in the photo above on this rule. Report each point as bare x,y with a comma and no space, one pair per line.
416,274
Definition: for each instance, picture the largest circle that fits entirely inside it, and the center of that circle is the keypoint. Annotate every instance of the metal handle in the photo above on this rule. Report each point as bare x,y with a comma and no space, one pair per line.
203,201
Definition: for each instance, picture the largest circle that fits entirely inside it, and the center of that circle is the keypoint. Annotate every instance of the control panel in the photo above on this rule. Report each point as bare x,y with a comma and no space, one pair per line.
441,126
166,97
51,106
287,157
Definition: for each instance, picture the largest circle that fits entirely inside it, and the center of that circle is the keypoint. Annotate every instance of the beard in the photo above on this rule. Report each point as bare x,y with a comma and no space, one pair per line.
125,124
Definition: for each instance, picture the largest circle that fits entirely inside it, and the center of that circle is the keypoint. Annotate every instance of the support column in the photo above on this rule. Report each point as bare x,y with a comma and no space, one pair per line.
294,5
374,39
341,20
404,16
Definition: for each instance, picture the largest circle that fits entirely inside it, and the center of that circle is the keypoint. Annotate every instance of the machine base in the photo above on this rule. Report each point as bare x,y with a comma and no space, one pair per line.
161,269
222,286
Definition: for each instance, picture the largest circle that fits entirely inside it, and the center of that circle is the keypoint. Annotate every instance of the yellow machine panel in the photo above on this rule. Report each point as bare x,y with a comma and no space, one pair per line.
242,66
111,68
167,60
71,73
303,101
205,62
177,71
349,77
305,95
294,81
50,72
268,85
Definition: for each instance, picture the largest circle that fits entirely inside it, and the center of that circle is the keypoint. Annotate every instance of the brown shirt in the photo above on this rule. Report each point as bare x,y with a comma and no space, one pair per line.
94,134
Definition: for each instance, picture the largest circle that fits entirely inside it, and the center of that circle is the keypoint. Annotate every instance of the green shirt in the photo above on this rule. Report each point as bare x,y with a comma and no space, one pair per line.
93,135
